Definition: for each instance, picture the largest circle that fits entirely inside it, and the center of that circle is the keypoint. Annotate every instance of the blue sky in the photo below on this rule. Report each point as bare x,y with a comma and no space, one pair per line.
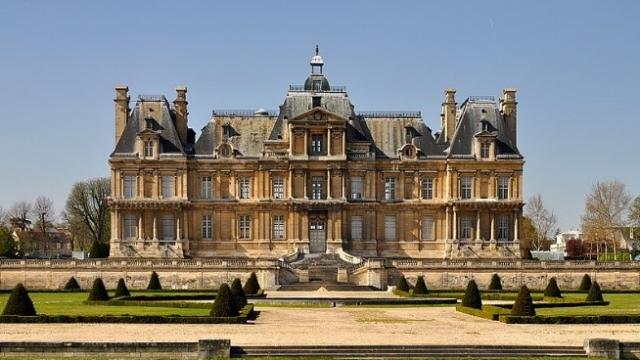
574,63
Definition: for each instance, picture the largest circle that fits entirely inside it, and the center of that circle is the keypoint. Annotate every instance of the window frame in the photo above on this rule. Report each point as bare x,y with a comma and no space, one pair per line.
485,150
129,187
503,187
278,227
357,231
206,227
206,188
130,228
148,148
169,219
357,187
430,234
503,231
244,227
466,228
390,188
427,188
165,181
390,235
317,185
466,189
317,144
277,188
244,187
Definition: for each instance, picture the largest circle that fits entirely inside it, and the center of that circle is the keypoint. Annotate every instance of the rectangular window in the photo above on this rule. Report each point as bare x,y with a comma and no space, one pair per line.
503,228
167,186
466,183
207,227
130,227
389,228
356,228
316,144
148,149
503,187
466,228
244,226
390,188
316,187
168,227
484,150
129,190
205,187
315,101
278,227
245,187
356,188
427,228
278,188
427,188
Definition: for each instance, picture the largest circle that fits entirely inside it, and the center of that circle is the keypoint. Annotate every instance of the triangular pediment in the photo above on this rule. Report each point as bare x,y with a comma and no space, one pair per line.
318,111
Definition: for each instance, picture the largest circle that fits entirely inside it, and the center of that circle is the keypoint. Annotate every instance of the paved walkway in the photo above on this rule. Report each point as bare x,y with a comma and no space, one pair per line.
348,326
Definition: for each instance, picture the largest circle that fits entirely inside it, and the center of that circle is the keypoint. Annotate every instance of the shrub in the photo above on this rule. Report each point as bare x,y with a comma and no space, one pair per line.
251,287
595,294
154,282
98,291
402,284
19,303
552,289
224,305
524,304
238,294
496,283
99,250
421,287
585,284
72,285
121,289
472,297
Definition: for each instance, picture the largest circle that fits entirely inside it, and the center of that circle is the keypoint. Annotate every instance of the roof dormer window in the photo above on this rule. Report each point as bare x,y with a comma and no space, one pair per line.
485,149
316,100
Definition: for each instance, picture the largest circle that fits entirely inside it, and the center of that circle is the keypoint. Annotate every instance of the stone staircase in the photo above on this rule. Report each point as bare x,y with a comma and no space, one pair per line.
407,351
321,270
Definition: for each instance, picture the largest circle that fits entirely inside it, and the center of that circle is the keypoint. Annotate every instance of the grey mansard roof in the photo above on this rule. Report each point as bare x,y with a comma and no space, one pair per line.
162,124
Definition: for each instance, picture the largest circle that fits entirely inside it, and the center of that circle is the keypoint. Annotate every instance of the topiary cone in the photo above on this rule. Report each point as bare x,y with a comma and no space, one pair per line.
552,289
238,294
121,289
472,297
72,284
585,284
421,287
224,305
402,284
524,303
154,282
496,283
251,287
595,294
98,291
19,303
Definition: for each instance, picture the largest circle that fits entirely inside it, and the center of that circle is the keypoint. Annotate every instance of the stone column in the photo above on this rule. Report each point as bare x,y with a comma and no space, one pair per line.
455,223
140,225
447,226
155,226
493,225
328,184
185,231
178,227
329,141
116,220
478,226
515,225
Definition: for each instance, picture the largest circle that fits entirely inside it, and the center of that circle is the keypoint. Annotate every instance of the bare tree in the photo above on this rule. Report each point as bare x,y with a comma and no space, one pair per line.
634,213
4,217
19,215
605,210
87,210
44,213
543,221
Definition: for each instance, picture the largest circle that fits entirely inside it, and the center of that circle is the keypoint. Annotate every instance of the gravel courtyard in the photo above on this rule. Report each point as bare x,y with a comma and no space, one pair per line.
342,325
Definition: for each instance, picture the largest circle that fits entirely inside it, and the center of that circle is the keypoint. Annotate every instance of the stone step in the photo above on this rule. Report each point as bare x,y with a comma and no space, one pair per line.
330,286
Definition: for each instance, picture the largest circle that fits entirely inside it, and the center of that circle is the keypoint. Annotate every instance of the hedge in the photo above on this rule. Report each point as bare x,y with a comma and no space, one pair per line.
252,286
496,283
578,319
154,282
131,319
171,304
421,287
72,285
488,312
402,284
472,297
169,297
585,284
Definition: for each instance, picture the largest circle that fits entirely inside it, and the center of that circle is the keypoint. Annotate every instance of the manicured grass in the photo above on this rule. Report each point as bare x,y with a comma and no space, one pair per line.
619,304
72,304
315,358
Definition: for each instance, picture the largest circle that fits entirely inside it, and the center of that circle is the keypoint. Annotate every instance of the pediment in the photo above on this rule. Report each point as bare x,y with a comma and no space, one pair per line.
318,114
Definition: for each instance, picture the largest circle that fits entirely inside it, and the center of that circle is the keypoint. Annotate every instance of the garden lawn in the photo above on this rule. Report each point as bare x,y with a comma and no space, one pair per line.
61,303
620,304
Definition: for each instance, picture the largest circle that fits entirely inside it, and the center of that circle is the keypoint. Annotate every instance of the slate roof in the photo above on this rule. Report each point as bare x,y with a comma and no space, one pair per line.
162,123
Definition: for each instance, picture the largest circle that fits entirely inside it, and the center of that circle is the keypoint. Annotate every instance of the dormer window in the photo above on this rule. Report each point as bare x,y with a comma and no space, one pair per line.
226,131
149,123
316,101
148,149
485,149
316,144
317,85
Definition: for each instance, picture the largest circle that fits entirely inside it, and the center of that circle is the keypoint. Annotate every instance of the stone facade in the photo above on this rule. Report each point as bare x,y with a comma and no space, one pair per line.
316,177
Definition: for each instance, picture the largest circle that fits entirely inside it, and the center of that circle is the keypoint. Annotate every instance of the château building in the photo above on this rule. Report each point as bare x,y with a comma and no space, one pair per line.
316,176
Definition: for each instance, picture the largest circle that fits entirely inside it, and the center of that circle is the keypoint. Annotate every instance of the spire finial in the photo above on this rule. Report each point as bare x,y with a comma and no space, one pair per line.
317,50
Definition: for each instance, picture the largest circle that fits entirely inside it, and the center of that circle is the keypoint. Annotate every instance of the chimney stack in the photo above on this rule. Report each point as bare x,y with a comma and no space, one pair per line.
448,115
121,109
180,105
508,109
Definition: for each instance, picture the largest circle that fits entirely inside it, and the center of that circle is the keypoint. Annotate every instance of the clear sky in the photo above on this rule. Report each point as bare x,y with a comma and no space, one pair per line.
575,65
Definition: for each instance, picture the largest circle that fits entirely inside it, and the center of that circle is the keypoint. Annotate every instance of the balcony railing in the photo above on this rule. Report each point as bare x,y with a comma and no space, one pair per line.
244,112
300,88
390,114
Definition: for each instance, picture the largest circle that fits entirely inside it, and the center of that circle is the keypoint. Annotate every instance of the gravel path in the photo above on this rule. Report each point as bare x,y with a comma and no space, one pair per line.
347,326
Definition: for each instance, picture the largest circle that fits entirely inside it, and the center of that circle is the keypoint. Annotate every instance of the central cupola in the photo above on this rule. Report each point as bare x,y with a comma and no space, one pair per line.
317,81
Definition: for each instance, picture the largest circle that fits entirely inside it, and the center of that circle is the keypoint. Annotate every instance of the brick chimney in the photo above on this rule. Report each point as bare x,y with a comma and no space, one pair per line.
121,109
508,109
448,115
180,105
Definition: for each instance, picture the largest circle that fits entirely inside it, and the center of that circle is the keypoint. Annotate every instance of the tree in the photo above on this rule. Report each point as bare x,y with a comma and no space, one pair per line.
421,286
7,244
98,291
552,289
154,282
574,248
224,306
543,221
99,250
4,218
121,289
496,283
595,294
524,303
19,303
43,212
19,215
527,236
585,284
402,284
251,287
634,215
72,285
87,211
605,210
472,297
239,296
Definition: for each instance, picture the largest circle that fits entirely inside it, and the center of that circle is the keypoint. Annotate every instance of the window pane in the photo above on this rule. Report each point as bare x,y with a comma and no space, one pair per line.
129,190
356,228
130,227
278,227
205,187
427,188
465,187
503,228
278,188
317,183
206,227
167,186
245,188
389,228
503,187
168,227
390,188
427,228
245,227
466,228
356,188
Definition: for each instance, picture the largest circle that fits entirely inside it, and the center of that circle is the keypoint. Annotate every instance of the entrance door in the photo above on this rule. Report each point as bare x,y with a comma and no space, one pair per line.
317,234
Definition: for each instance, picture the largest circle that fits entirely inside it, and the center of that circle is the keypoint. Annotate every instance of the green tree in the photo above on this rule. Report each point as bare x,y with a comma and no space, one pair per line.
402,284
224,305
121,289
585,284
72,285
496,283
251,287
19,303
524,303
595,294
238,294
8,246
552,289
98,291
154,282
421,286
472,297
